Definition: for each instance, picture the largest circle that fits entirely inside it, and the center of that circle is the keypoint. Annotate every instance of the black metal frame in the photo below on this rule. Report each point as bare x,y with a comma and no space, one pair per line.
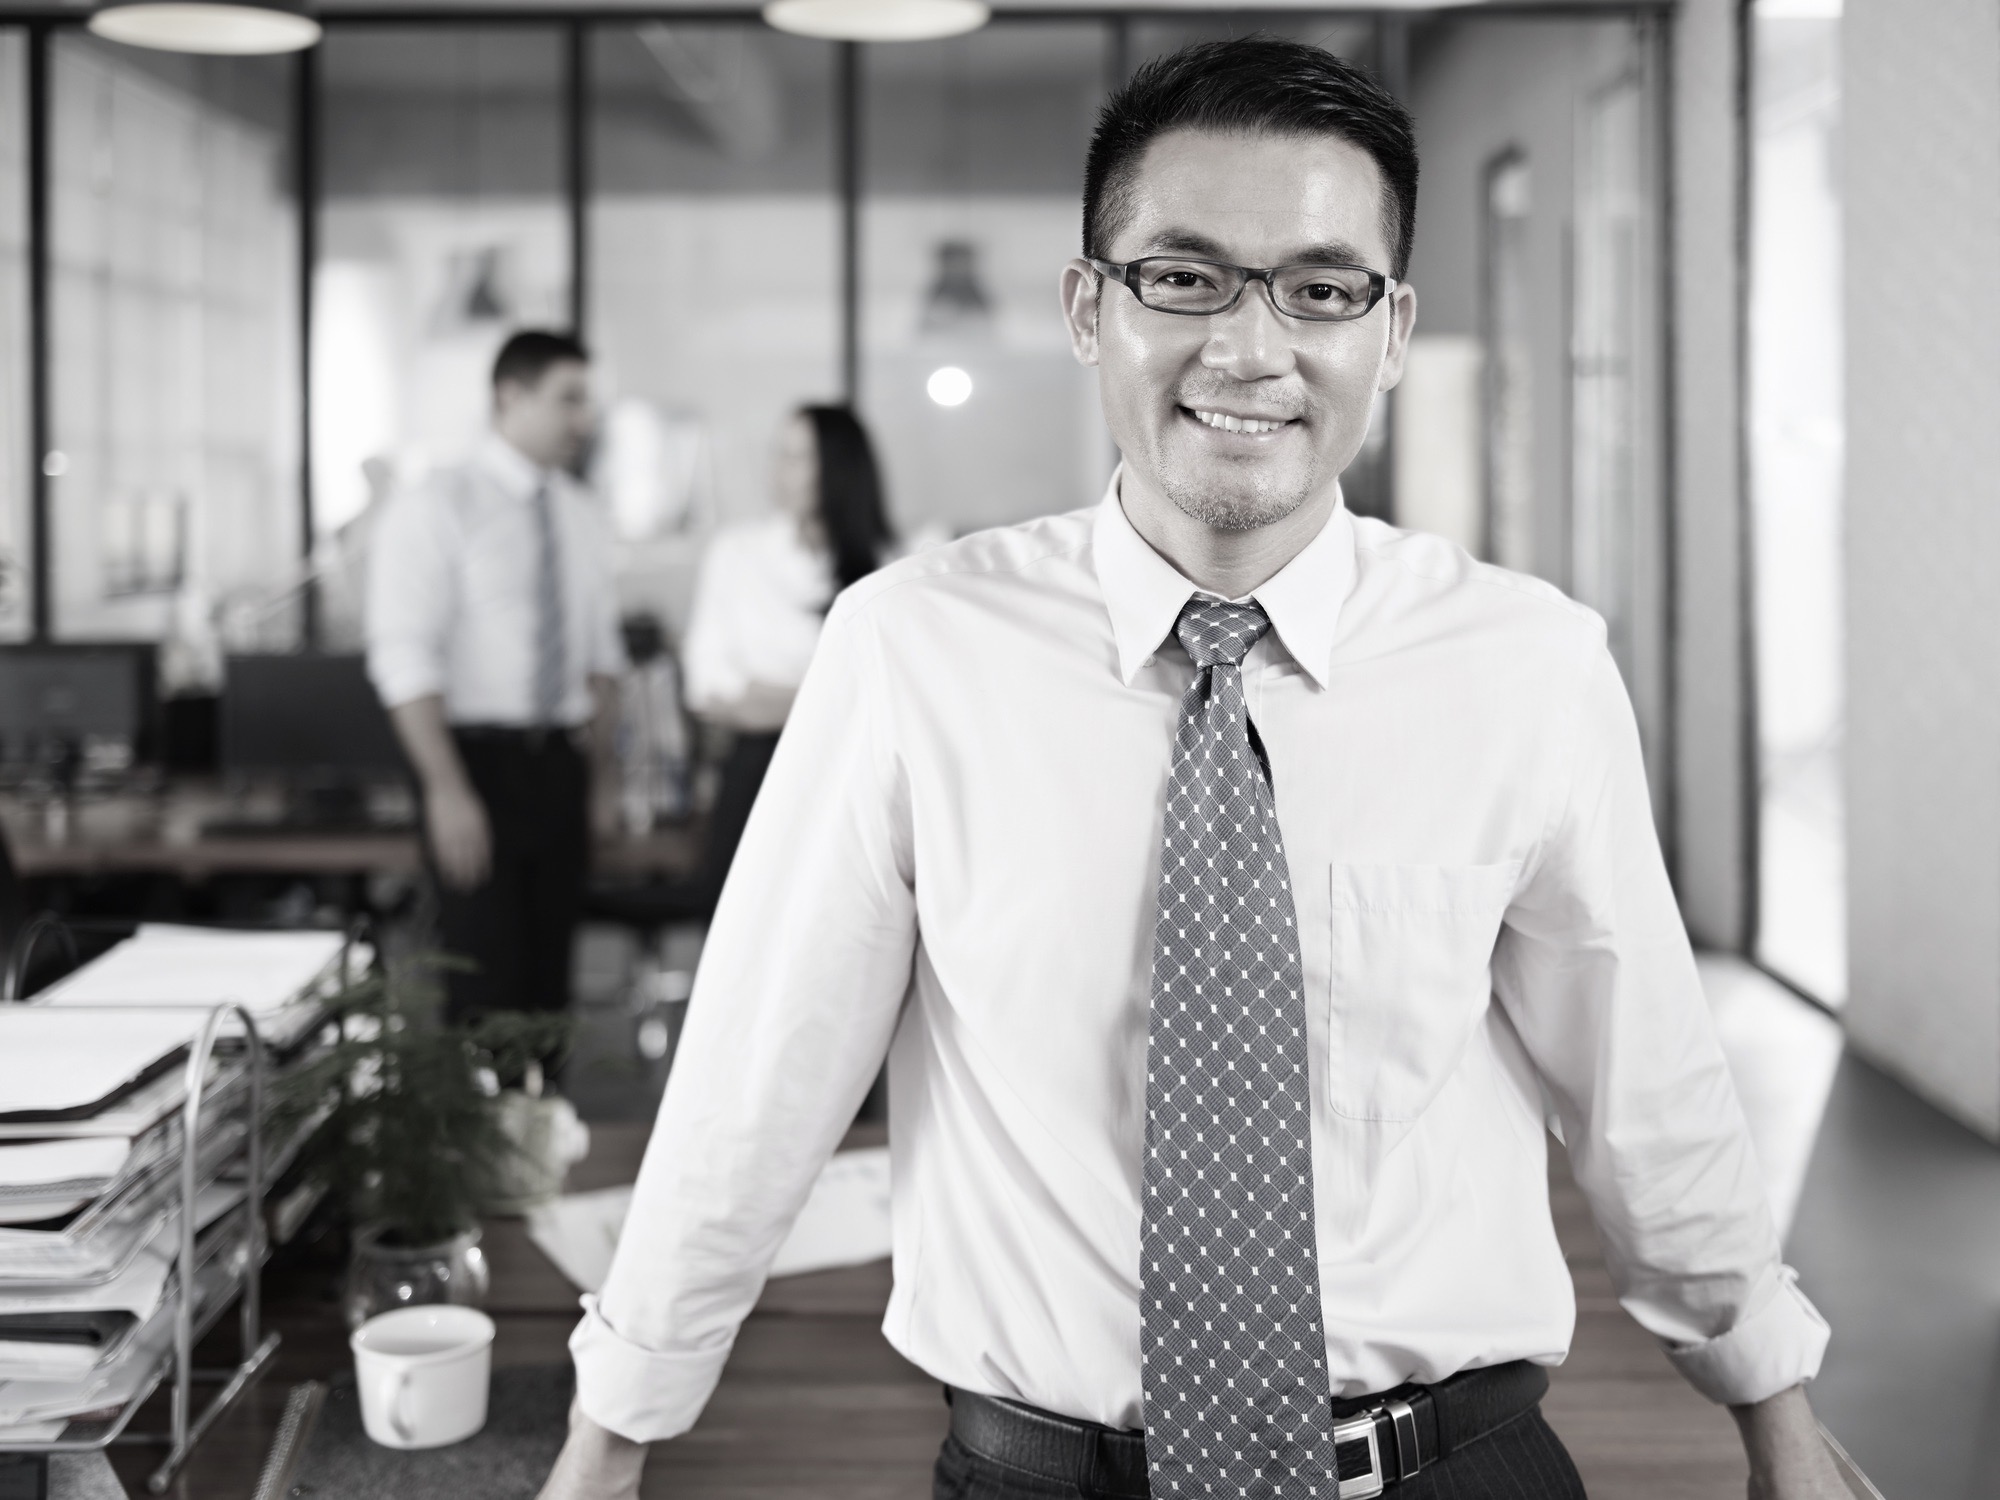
38,329
847,183
576,175
305,145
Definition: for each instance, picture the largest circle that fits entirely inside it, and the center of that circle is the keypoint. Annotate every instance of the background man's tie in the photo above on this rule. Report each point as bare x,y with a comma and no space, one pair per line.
1234,1360
551,626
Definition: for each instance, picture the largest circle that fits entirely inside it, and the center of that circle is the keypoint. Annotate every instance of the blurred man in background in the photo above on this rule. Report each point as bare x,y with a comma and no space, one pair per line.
493,640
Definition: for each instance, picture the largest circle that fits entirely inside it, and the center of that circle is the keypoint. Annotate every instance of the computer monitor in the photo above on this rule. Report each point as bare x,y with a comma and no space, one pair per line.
62,700
312,720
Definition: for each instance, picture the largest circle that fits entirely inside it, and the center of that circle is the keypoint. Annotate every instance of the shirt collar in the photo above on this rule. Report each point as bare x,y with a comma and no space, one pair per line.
1145,593
515,473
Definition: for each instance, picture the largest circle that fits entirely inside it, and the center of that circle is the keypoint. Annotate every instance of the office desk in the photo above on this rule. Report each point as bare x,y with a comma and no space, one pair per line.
814,1404
160,834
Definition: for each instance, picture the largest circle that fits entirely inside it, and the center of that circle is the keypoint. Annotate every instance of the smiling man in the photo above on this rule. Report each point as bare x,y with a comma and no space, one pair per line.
1238,888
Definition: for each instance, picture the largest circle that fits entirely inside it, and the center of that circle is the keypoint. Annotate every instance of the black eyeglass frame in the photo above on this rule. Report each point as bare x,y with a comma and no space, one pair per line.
1127,274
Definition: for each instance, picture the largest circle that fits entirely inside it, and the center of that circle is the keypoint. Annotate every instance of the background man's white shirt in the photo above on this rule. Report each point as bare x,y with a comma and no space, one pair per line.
958,848
452,591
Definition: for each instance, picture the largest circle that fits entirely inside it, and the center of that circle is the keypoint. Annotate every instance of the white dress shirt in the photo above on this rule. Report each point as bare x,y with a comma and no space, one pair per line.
760,600
452,591
955,856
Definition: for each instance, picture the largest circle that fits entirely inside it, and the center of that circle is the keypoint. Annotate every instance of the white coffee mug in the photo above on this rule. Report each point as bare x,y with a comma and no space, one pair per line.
422,1373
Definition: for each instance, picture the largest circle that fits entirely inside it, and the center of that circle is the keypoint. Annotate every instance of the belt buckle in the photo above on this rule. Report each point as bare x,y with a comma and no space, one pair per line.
1355,1430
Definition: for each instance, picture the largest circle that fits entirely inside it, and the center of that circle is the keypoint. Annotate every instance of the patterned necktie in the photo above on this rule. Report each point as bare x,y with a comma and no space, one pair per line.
1237,1400
551,629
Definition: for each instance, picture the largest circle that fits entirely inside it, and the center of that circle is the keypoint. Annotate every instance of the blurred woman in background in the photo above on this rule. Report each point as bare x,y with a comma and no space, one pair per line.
762,596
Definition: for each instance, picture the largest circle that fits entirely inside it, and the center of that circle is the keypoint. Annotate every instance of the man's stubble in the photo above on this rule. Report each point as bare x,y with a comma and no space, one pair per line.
1251,501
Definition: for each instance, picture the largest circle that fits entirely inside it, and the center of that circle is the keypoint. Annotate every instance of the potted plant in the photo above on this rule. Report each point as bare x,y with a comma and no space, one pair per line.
412,1144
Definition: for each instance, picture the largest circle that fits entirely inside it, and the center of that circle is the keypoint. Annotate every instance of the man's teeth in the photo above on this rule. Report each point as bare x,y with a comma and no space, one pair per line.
1234,424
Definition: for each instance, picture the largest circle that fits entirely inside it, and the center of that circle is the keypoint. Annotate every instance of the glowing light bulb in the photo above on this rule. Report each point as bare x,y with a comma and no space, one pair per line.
949,386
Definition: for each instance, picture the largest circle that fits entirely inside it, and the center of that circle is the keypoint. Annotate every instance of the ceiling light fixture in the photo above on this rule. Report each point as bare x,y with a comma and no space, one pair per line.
878,20
223,30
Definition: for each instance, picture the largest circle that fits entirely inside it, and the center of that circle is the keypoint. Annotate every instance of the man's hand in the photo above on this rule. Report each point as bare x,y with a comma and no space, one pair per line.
454,817
595,1464
461,841
1789,1460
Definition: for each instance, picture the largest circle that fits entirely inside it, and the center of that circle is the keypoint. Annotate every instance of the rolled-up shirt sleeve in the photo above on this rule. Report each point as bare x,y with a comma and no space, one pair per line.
802,979
410,598
1595,971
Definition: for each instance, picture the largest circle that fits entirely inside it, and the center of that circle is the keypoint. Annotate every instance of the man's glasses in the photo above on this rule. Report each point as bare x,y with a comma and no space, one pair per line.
1203,288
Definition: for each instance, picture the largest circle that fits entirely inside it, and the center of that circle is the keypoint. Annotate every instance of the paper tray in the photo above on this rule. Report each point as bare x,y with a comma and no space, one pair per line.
135,1369
101,1241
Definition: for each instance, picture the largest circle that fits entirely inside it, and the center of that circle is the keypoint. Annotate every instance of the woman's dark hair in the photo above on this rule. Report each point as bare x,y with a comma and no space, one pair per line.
1252,84
850,493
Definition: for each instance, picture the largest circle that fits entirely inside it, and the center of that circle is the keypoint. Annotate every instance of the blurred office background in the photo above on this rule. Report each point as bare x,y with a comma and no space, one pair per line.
1708,338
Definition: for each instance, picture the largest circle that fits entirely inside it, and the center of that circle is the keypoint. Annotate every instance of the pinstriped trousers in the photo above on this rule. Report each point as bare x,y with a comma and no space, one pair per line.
1523,1460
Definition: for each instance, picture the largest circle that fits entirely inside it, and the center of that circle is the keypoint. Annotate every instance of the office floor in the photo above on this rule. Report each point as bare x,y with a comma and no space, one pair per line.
1892,1217
1897,1238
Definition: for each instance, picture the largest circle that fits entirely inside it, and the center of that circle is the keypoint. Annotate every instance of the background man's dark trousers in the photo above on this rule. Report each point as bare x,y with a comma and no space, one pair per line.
517,927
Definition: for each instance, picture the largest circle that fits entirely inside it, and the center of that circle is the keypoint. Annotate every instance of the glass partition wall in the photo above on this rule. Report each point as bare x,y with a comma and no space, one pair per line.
743,222
173,337
1797,441
972,161
714,267
442,225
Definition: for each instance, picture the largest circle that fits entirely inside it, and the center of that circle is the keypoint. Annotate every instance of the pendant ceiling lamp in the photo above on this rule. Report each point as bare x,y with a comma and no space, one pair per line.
878,20
244,29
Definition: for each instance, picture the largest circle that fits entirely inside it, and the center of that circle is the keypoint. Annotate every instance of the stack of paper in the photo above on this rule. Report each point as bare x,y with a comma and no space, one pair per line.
93,1081
46,1179
279,977
68,1350
32,1404
60,1065
67,1332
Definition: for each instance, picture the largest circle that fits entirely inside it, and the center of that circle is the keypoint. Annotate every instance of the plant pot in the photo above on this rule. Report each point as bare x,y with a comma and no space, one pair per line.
382,1277
548,1138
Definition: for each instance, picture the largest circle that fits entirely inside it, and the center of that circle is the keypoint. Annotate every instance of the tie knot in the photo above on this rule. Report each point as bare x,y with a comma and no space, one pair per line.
1214,630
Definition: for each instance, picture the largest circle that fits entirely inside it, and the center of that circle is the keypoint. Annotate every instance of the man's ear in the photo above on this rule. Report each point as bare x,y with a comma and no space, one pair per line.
1081,284
1402,319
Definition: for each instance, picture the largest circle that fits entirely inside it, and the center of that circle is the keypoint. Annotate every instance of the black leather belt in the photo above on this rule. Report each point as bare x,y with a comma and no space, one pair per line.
1379,1440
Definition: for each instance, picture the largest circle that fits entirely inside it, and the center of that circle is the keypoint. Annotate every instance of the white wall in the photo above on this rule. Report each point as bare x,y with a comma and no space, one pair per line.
1922,92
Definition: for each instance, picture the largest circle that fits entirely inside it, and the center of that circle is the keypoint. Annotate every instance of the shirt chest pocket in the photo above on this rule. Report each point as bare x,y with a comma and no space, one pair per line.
1410,949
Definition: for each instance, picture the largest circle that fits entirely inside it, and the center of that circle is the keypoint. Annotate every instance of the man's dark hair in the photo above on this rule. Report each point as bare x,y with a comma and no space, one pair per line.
525,358
1258,84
